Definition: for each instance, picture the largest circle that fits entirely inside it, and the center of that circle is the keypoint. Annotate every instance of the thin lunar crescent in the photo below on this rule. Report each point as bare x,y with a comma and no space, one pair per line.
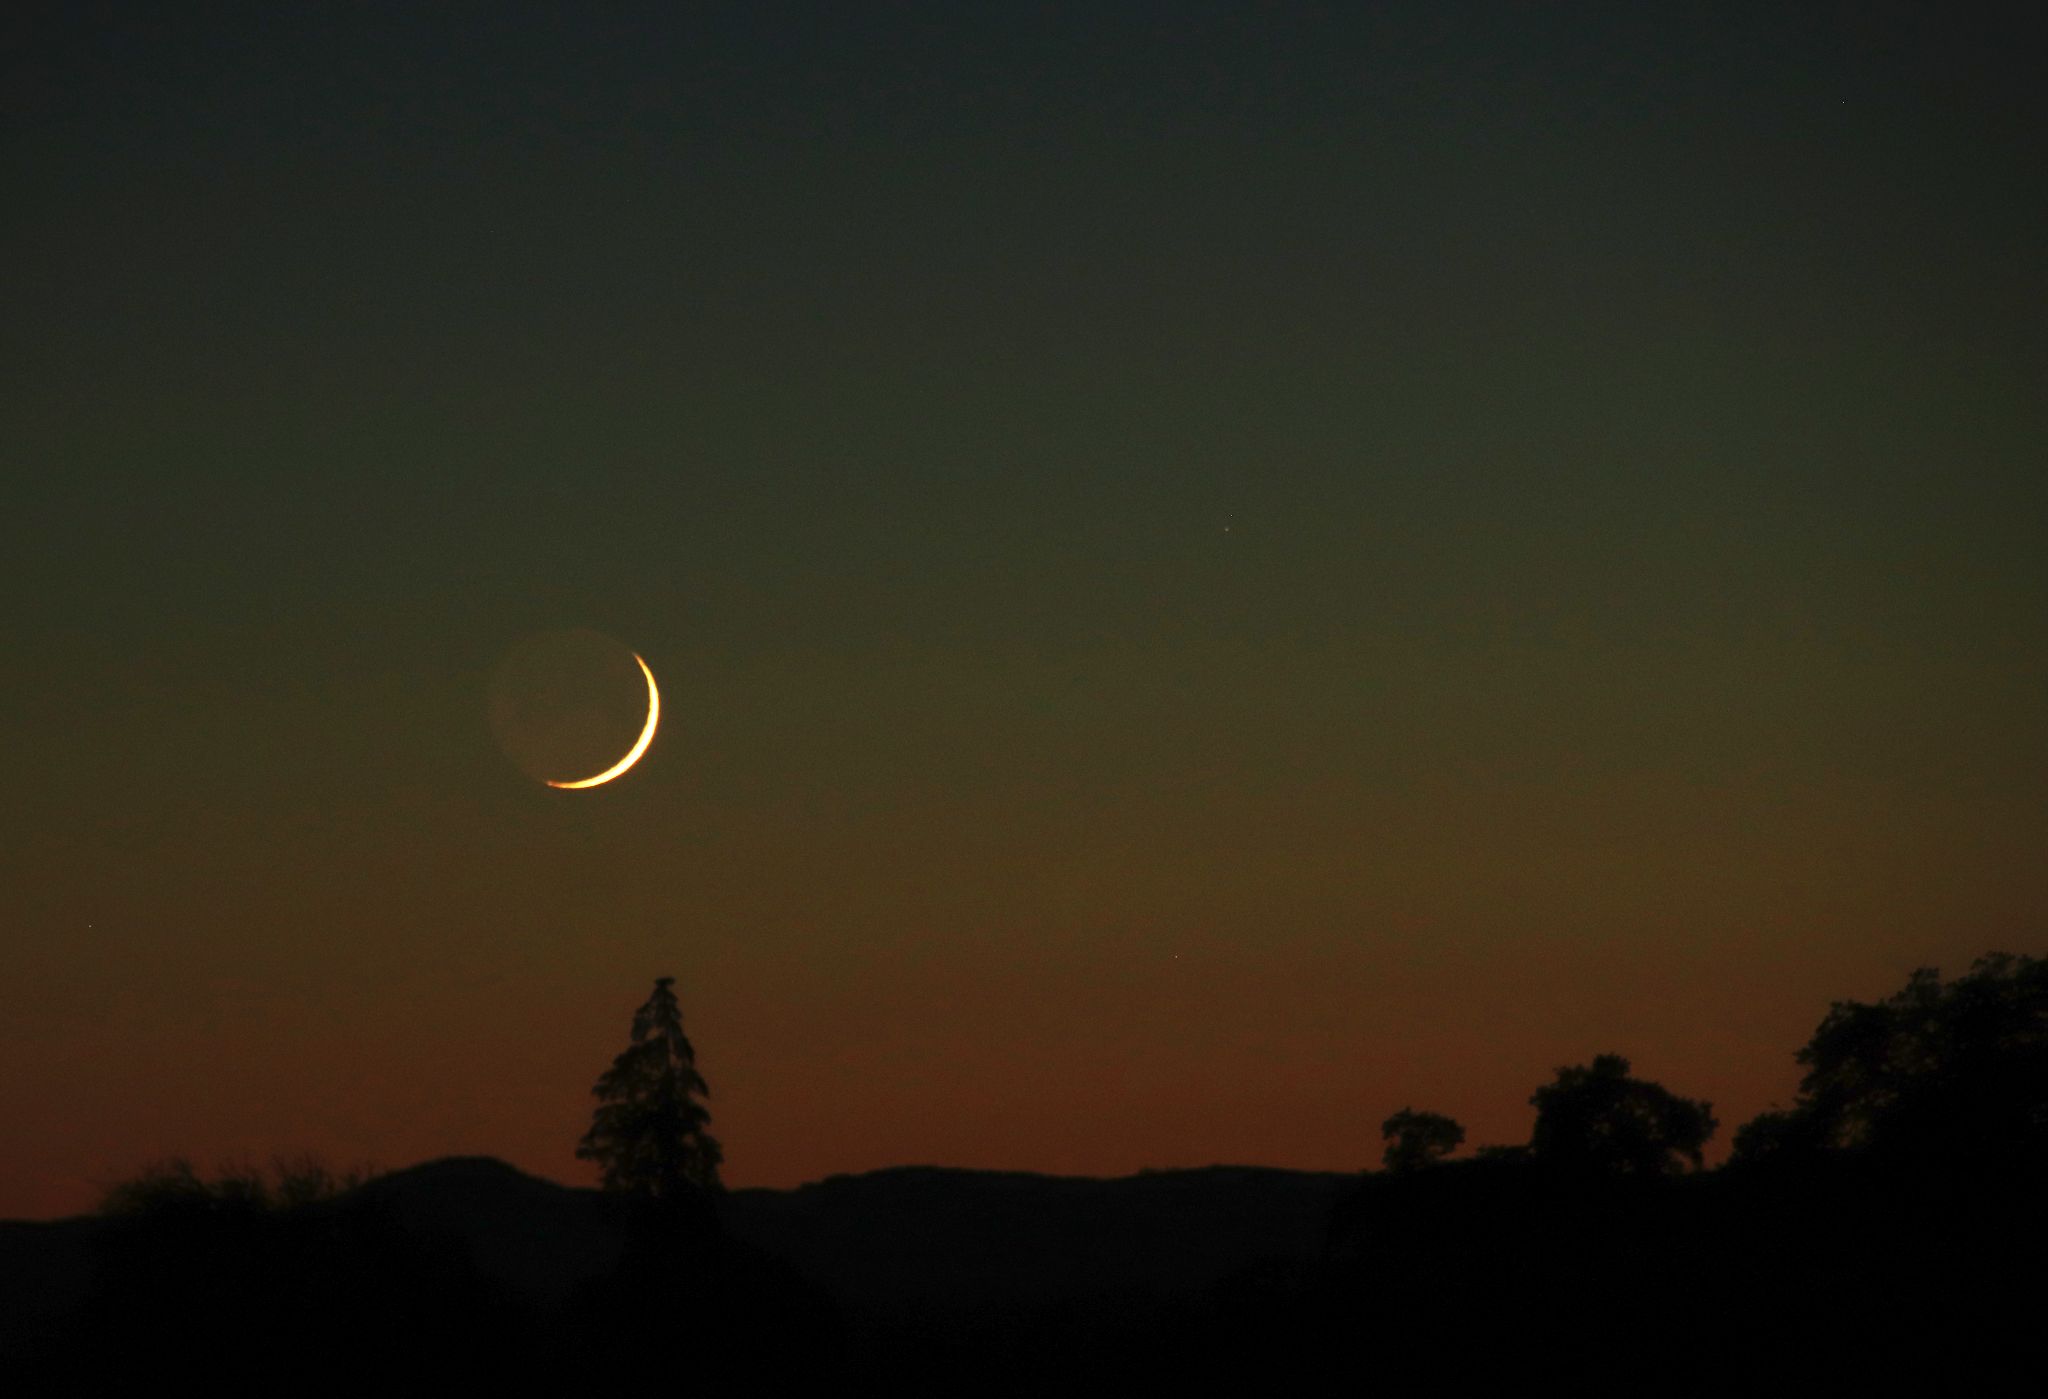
633,753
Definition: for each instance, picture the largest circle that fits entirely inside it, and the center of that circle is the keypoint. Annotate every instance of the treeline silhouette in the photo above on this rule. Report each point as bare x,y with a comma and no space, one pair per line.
1885,1233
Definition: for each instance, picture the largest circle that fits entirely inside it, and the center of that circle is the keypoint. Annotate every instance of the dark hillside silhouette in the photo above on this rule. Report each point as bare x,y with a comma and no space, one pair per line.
1883,1235
459,1268
926,1241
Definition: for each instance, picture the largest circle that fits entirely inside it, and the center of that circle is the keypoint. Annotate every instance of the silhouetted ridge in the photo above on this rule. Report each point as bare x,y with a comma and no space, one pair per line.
458,1267
534,1238
924,1240
1883,1234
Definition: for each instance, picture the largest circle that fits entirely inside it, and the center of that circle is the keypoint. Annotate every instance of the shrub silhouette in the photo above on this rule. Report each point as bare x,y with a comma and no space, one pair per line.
1933,1071
174,1185
1416,1139
1599,1120
243,1279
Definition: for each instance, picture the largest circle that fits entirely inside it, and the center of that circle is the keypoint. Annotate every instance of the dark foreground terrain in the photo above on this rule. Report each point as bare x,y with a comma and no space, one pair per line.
1885,1234
1884,1277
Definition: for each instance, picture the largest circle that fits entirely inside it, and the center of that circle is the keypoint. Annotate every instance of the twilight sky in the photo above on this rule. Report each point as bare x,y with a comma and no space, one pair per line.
1216,570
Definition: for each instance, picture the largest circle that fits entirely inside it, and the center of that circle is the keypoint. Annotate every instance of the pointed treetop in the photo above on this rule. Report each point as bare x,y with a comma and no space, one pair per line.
648,1131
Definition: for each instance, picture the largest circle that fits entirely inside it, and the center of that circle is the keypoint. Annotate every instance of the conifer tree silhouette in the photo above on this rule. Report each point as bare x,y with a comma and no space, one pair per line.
647,1133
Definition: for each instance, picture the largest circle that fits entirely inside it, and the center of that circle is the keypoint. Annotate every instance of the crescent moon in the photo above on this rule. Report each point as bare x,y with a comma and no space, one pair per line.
639,747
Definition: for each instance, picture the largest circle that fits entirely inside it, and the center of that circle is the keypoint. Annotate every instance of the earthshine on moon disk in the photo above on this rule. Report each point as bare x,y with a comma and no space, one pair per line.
639,746
564,705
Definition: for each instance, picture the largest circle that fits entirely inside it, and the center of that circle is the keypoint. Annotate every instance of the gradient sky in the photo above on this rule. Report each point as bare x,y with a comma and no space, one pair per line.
1217,570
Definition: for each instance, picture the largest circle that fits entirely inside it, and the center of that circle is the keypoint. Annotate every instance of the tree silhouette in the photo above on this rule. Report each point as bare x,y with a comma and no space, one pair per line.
1415,1139
1952,1071
647,1133
1600,1120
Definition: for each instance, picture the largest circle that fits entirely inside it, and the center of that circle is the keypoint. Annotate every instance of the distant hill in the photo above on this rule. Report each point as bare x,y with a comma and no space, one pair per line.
466,1273
927,1241
45,1268
535,1238
911,1244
